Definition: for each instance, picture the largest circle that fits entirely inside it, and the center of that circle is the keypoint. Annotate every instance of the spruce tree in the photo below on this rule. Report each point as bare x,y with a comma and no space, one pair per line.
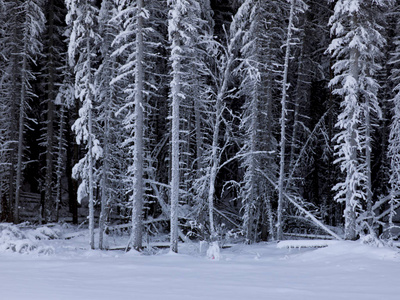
83,45
356,49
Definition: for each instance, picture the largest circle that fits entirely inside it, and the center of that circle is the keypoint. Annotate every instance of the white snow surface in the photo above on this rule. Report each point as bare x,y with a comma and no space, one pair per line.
342,270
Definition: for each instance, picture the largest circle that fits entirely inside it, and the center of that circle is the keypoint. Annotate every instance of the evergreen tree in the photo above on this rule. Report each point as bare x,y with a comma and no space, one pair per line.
394,138
23,45
132,75
356,50
110,167
258,70
184,27
51,76
83,45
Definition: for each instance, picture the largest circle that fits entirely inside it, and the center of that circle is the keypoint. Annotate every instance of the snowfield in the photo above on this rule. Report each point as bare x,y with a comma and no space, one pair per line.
342,270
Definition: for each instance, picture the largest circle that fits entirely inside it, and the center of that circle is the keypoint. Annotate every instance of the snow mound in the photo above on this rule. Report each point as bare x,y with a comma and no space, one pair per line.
133,253
353,250
305,244
323,249
14,239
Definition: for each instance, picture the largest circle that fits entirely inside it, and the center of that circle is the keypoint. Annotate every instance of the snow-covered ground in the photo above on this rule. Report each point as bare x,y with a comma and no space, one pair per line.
342,270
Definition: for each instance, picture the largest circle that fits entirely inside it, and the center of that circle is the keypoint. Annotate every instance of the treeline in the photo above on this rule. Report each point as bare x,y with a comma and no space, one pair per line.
203,118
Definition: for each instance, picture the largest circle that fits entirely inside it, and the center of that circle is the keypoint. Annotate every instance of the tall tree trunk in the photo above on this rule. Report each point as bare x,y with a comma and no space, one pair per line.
104,183
175,160
283,125
48,199
215,164
215,149
59,167
293,144
91,180
22,113
72,159
199,135
137,207
350,209
176,95
368,149
90,144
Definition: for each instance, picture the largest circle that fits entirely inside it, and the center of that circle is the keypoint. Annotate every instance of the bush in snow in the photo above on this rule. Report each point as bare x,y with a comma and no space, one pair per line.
372,240
13,239
44,233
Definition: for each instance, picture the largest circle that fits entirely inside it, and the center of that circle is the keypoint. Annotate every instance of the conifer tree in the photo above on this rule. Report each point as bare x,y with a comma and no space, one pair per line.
29,24
394,138
131,76
83,45
109,126
137,48
183,28
356,50
258,70
50,74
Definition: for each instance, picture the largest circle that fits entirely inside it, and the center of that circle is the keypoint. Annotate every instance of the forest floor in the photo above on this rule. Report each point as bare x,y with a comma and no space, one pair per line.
61,269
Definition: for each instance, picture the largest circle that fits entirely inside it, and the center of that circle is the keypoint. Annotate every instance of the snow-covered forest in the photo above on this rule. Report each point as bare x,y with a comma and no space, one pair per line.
201,119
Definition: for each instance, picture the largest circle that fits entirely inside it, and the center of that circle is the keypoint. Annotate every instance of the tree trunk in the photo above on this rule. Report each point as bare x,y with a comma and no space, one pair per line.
215,150
138,147
368,148
175,160
48,200
283,126
90,144
199,136
20,154
214,167
349,212
72,159
59,167
104,188
299,89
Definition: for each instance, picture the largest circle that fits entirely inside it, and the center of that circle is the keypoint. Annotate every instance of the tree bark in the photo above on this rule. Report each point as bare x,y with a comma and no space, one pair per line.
138,147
